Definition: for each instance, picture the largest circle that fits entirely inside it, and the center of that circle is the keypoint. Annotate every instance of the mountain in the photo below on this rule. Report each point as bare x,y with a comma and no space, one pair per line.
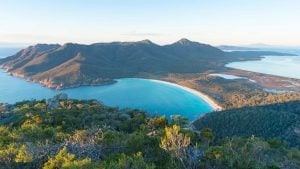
70,65
281,121
226,47
77,64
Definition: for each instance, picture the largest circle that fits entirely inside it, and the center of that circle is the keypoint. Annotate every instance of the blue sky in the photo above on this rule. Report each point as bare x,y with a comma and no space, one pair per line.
162,21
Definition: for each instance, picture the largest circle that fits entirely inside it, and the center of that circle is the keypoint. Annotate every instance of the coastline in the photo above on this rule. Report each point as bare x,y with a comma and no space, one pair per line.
203,96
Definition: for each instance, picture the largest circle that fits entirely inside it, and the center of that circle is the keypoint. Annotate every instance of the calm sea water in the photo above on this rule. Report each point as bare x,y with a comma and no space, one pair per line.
7,51
147,95
151,96
287,66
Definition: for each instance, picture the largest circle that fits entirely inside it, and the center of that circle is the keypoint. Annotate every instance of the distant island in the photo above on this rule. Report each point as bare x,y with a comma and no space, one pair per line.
72,65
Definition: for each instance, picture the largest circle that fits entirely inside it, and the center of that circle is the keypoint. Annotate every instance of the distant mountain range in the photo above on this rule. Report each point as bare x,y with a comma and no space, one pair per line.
6,51
267,46
71,65
257,46
226,47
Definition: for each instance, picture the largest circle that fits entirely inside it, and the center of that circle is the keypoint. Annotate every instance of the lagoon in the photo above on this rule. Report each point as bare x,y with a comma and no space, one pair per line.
225,76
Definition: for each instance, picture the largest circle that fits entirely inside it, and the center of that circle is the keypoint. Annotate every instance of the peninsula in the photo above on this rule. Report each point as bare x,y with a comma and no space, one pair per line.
72,65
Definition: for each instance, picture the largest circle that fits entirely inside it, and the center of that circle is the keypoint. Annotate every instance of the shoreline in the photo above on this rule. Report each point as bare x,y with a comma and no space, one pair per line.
203,96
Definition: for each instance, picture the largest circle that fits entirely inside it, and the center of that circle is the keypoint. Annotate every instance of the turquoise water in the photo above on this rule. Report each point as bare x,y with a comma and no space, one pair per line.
143,94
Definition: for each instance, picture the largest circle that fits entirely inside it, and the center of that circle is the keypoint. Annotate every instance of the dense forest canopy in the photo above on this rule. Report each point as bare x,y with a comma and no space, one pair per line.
281,121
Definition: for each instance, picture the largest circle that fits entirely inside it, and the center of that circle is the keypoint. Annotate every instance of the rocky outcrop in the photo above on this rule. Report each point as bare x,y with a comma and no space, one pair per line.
53,103
4,107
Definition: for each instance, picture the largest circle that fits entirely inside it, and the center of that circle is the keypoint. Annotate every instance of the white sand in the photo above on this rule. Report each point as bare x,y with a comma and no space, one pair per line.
213,104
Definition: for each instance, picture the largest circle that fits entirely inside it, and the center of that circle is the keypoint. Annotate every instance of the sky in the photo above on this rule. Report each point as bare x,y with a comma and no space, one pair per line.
216,22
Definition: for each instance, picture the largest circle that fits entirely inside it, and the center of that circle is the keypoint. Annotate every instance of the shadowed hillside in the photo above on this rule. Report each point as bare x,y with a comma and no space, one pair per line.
281,121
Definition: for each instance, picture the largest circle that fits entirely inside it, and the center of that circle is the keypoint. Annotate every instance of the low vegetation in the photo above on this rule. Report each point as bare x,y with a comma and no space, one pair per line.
87,134
234,93
241,93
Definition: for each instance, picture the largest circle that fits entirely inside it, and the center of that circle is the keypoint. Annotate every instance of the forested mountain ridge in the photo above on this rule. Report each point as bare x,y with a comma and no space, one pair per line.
281,121
70,65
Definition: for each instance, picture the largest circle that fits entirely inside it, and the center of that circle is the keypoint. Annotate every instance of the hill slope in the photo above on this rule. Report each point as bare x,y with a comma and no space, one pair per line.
87,134
280,121
70,65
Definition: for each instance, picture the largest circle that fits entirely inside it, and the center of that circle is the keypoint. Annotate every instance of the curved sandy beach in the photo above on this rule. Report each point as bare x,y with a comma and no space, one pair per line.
213,104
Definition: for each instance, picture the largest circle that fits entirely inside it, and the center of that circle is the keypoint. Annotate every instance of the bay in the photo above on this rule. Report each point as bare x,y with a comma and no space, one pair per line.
286,66
150,96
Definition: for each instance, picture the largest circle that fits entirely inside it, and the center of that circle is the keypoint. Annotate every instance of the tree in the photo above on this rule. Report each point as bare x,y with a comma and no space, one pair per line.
65,160
179,120
157,123
129,162
246,153
23,155
175,143
8,153
207,135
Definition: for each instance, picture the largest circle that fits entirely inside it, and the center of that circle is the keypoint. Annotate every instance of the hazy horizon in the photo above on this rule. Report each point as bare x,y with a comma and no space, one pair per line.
230,22
254,45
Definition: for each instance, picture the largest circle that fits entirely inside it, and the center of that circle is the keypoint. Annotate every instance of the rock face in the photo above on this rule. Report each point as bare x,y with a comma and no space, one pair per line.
1,108
54,102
